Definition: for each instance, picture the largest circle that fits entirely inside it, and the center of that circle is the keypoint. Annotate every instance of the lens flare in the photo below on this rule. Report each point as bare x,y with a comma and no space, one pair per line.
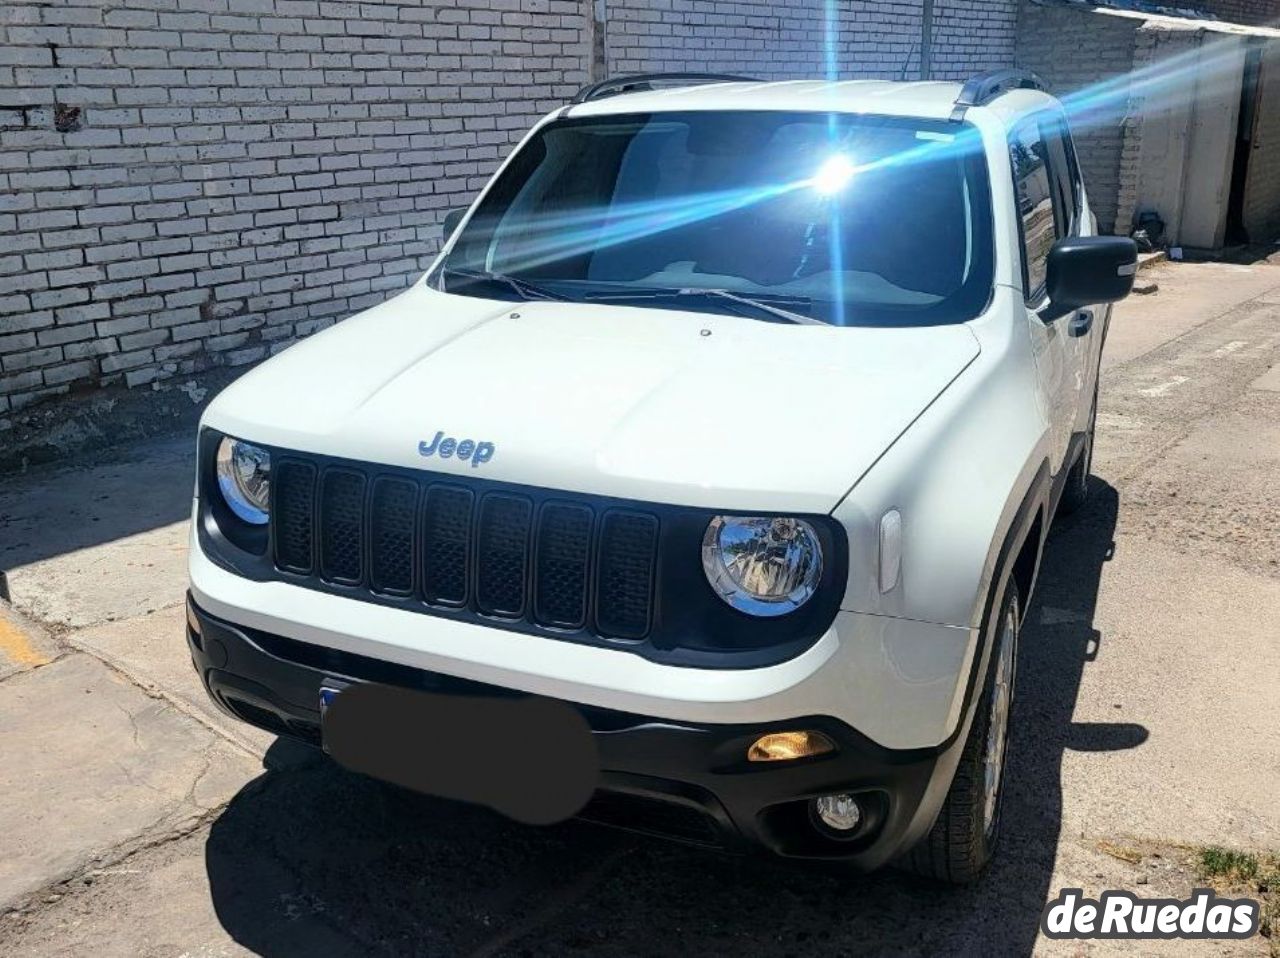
552,238
1211,68
1165,84
834,175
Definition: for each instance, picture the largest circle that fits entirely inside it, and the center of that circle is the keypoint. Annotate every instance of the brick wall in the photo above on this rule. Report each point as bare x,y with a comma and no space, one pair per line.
1256,12
183,189
868,38
761,38
970,37
1073,50
186,186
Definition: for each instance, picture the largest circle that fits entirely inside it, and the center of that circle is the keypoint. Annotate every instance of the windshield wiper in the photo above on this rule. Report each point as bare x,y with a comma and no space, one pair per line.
522,287
798,318
759,305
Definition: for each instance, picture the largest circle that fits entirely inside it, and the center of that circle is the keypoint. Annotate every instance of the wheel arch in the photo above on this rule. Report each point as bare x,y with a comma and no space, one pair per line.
1016,559
1026,564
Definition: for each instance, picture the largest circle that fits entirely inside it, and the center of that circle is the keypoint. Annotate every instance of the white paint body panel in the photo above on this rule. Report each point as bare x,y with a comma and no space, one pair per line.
614,401
948,425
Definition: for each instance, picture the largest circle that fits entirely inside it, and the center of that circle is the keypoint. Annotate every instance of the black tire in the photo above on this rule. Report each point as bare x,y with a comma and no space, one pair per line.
963,839
1076,492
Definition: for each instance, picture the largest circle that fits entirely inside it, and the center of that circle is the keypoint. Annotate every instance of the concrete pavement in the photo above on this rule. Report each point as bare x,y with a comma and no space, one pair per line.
135,819
23,644
93,767
95,541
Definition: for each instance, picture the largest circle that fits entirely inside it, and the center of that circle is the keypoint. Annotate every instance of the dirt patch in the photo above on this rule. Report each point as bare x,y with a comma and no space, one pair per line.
77,424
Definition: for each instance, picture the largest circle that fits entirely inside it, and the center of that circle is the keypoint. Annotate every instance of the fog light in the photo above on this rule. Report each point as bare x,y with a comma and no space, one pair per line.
787,746
840,813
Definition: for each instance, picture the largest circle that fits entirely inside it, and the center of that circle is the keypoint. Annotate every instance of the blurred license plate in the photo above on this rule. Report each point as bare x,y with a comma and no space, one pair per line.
530,758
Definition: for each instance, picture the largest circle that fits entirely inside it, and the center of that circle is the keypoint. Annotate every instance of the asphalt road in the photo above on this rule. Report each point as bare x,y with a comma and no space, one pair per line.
135,820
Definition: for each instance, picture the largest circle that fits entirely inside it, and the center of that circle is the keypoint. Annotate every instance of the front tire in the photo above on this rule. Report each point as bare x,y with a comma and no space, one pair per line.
963,839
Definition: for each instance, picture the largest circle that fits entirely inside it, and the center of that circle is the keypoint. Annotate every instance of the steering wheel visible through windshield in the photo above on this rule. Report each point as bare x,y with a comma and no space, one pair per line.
837,218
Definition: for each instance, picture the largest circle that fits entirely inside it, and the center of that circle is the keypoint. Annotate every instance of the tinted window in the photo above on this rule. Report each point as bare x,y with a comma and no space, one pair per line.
1035,203
1066,175
851,220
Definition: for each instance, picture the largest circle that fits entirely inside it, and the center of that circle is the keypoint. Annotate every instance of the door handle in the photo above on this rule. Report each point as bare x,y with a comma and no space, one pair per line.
1081,323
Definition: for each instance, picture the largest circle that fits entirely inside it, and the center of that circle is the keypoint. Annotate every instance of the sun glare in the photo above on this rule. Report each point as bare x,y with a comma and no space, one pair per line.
833,175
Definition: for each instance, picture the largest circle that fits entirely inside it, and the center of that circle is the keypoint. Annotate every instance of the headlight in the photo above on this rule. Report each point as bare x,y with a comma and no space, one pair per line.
244,476
762,566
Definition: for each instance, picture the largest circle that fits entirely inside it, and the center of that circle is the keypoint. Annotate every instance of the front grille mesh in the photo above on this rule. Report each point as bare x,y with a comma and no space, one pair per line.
342,528
446,544
502,555
564,556
295,489
392,514
554,563
627,544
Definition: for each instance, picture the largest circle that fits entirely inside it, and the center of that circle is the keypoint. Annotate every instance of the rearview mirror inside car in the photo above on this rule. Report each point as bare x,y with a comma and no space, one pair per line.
1089,270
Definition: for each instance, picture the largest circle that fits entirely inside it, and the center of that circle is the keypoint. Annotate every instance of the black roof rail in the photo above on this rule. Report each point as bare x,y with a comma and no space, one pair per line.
645,81
985,87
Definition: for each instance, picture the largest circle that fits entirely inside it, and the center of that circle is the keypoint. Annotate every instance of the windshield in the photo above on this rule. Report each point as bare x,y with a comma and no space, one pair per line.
847,220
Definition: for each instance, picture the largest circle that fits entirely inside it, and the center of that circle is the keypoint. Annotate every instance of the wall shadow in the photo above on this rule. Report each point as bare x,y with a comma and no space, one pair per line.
56,509
312,859
1247,254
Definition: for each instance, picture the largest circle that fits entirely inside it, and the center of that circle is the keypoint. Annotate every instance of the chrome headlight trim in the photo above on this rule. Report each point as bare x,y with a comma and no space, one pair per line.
244,479
764,566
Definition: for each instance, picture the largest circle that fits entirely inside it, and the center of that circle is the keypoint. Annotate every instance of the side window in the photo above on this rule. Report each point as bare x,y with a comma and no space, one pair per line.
1066,174
1038,205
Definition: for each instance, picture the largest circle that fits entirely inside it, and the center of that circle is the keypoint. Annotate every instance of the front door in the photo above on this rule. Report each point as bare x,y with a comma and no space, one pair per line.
1085,328
1059,345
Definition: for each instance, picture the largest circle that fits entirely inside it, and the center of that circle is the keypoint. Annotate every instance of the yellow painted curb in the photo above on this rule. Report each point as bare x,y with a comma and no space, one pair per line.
15,646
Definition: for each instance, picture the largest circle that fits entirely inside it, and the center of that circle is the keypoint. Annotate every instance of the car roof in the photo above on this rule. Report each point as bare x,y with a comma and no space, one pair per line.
925,99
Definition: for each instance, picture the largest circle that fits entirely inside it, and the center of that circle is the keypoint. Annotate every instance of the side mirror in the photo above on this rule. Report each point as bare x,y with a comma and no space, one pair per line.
451,221
1086,270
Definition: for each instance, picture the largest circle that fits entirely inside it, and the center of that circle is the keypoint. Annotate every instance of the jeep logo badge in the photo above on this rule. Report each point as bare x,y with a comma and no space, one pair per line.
447,447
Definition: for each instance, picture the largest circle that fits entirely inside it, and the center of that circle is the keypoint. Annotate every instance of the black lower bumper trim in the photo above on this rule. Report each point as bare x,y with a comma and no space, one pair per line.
689,781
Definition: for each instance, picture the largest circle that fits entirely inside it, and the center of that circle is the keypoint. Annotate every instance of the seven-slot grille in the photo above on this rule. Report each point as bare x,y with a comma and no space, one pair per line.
550,561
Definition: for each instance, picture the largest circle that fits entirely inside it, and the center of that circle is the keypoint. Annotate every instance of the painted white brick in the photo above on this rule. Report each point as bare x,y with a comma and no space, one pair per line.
261,168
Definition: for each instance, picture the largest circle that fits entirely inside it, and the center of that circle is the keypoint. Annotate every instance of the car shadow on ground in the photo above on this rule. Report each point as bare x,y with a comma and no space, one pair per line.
309,858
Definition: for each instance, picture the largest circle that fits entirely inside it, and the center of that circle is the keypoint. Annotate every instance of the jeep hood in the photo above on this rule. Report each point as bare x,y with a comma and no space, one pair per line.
650,404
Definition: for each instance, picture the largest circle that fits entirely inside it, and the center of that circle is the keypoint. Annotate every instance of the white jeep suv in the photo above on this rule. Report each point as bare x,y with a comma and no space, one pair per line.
700,485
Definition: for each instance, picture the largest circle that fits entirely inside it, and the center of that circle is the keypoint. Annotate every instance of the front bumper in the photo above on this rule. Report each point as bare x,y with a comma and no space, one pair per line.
686,780
901,683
